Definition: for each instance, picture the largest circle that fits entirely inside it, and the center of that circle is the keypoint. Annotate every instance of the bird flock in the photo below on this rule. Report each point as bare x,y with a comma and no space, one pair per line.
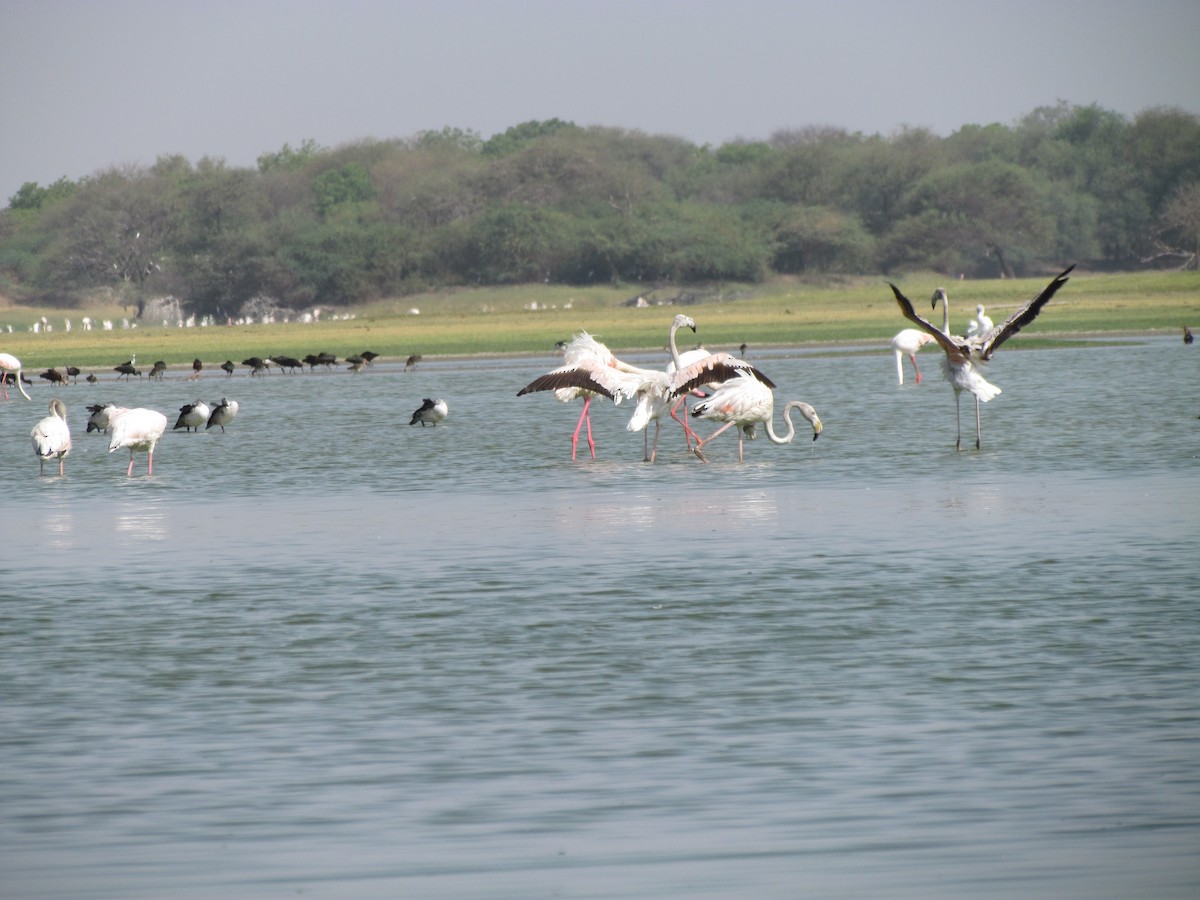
731,392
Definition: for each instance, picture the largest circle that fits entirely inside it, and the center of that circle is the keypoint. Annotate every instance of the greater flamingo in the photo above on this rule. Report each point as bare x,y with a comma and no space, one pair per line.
431,412
589,370
981,324
906,343
137,429
10,364
192,416
745,401
222,414
963,355
52,437
654,395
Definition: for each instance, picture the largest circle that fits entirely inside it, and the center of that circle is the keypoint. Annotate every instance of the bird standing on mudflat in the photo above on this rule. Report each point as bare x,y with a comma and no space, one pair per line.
964,355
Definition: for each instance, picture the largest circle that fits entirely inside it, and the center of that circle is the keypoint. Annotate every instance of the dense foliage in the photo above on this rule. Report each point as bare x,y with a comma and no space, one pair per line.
551,201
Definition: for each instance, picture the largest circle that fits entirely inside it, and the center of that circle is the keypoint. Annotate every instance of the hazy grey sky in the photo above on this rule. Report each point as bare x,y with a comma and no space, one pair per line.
86,84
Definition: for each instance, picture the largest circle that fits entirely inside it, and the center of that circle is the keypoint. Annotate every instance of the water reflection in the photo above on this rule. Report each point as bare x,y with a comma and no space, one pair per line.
146,520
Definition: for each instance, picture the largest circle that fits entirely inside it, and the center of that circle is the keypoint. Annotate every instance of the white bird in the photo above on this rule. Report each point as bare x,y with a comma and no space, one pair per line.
963,355
101,416
10,364
52,437
745,401
137,429
222,414
654,395
193,415
431,412
980,325
906,343
590,370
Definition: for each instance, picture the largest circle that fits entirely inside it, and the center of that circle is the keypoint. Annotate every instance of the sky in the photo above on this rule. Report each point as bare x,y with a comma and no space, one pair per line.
90,84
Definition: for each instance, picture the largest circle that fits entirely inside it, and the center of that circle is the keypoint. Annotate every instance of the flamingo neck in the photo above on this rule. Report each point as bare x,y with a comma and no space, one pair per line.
791,428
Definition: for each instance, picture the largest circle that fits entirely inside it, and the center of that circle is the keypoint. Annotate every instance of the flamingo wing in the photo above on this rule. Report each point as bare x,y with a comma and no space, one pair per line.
991,341
953,349
716,367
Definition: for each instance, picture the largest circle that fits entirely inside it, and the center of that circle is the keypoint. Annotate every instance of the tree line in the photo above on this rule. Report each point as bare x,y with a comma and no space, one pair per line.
553,201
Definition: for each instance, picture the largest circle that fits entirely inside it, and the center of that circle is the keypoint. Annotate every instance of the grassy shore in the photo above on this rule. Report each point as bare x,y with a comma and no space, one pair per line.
529,319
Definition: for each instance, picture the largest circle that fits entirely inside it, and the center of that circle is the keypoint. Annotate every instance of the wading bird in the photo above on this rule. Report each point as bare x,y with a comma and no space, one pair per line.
192,416
906,343
101,416
963,355
431,412
52,437
654,395
222,414
981,324
137,429
1187,335
589,370
745,401
10,365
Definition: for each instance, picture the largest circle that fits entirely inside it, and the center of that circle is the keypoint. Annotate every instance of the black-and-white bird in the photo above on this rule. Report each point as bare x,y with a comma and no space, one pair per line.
964,355
222,414
431,412
192,416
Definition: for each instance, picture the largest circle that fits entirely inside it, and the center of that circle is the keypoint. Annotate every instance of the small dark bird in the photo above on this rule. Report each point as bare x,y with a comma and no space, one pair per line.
228,366
369,357
257,365
73,373
357,363
91,378
288,362
411,362
197,365
127,369
156,371
431,412
53,376
1187,335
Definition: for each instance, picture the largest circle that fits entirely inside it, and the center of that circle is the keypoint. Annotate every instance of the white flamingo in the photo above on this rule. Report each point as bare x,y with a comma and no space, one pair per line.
10,364
431,412
137,429
963,355
654,395
981,324
907,343
222,414
193,415
745,401
590,370
52,437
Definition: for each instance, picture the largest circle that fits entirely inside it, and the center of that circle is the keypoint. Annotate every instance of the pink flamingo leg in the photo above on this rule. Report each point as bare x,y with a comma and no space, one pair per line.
915,369
701,443
688,434
150,462
129,471
583,416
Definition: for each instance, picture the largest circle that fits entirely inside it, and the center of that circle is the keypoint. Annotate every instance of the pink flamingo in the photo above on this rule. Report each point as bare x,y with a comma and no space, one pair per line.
137,429
52,437
9,363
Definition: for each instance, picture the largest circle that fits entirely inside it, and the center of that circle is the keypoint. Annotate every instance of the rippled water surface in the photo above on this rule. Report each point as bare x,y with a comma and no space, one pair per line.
332,655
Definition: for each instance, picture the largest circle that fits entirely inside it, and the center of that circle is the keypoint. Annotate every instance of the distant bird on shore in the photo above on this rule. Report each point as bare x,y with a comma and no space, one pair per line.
157,370
981,324
137,429
52,437
53,376
906,343
10,366
228,368
73,373
431,412
192,416
222,414
197,366
127,369
411,362
1187,335
963,355
370,356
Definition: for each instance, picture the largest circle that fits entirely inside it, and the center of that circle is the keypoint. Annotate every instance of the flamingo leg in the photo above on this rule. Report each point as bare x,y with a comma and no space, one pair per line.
701,443
654,449
150,462
60,467
915,368
957,423
583,416
688,434
978,427
129,471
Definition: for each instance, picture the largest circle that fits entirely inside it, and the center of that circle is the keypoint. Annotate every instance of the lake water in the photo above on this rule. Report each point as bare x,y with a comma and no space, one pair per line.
327,654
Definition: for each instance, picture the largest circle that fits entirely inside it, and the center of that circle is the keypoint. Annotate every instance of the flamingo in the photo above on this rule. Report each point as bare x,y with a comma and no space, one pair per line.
963,355
192,416
745,401
590,370
906,343
654,394
431,411
10,364
222,414
980,325
101,416
137,429
52,437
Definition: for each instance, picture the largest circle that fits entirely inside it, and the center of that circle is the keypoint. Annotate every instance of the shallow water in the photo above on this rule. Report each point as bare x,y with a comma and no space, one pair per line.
326,653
